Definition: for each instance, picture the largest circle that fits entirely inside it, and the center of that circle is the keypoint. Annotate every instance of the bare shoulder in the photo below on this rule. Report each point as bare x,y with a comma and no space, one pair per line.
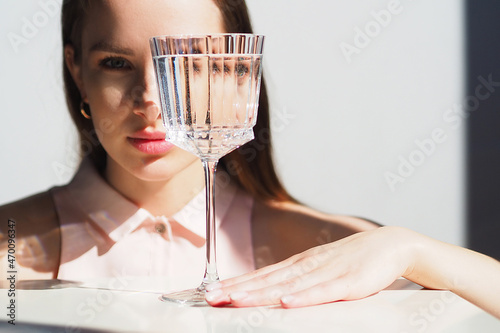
281,230
36,235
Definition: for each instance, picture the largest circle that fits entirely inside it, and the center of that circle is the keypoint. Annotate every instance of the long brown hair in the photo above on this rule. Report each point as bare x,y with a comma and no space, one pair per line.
251,165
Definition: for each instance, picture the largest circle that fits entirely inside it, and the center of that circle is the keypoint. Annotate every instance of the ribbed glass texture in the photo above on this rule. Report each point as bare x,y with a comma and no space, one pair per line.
209,90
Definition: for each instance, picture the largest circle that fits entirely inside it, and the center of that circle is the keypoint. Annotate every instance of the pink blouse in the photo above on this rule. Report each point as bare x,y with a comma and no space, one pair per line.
106,235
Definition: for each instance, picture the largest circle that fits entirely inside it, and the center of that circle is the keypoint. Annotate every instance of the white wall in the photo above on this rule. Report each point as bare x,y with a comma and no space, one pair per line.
347,122
35,129
340,123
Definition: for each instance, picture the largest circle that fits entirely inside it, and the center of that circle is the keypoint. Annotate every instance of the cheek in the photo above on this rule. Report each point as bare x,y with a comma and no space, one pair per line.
108,107
108,100
107,91
105,127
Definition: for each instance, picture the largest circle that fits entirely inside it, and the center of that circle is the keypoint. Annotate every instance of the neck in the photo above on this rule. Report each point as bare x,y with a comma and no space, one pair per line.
160,197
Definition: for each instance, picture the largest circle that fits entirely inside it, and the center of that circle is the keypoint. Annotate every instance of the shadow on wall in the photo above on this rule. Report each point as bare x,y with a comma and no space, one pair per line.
482,113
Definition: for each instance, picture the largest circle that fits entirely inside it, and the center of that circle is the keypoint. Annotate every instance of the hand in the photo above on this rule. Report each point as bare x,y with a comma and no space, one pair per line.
351,268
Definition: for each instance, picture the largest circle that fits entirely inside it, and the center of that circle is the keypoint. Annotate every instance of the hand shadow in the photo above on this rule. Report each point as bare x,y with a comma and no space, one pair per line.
40,284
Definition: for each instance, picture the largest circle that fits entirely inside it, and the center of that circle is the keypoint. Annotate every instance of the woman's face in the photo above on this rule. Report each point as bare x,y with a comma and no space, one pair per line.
116,78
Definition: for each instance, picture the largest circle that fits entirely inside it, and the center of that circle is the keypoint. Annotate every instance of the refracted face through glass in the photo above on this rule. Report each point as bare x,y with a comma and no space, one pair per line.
216,80
208,84
225,85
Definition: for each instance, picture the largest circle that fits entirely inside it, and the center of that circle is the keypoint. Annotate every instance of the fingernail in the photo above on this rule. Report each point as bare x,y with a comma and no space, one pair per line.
238,296
213,295
287,299
213,286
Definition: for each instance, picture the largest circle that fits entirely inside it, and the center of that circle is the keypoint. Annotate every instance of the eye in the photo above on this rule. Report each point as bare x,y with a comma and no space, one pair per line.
215,68
241,70
115,63
196,67
192,64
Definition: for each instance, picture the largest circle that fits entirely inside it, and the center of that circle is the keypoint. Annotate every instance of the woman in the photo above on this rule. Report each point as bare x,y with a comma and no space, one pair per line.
135,205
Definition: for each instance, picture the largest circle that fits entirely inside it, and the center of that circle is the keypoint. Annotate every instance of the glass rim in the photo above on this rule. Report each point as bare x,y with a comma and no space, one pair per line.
181,36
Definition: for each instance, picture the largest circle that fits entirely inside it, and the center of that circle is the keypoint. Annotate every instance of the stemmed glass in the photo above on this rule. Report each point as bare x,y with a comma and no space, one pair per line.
209,91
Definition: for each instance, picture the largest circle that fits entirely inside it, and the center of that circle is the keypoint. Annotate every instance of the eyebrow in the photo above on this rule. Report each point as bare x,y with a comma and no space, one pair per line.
108,47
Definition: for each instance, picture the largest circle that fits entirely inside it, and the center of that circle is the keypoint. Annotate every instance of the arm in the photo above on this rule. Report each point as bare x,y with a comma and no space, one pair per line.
35,239
469,274
361,265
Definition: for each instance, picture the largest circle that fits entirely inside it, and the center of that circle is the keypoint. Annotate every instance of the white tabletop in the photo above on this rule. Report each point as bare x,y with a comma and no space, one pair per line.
92,307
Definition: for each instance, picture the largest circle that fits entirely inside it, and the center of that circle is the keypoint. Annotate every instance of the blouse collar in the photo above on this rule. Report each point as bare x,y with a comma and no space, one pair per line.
117,216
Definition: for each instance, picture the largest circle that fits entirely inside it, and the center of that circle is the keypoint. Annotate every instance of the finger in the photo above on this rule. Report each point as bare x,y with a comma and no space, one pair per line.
264,290
325,292
272,294
255,274
296,266
273,281
217,297
217,294
220,294
277,276
341,289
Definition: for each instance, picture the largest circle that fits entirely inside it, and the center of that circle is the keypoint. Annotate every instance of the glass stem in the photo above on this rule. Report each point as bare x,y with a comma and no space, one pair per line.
211,274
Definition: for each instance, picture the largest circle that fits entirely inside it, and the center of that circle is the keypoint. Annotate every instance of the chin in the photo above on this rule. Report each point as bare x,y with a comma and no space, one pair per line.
164,168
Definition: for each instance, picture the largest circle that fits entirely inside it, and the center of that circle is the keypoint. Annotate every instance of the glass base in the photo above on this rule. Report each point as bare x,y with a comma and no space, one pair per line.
210,144
194,296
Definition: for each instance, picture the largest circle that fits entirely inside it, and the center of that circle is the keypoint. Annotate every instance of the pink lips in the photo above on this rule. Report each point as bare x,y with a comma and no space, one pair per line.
150,142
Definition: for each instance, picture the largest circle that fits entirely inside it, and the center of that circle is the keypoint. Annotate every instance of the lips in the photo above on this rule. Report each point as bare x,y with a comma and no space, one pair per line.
150,142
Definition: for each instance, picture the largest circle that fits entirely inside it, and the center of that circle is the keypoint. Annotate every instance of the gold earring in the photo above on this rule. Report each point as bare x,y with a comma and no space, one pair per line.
83,112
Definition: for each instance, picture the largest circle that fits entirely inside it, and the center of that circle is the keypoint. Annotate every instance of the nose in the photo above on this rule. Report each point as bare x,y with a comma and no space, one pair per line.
145,96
